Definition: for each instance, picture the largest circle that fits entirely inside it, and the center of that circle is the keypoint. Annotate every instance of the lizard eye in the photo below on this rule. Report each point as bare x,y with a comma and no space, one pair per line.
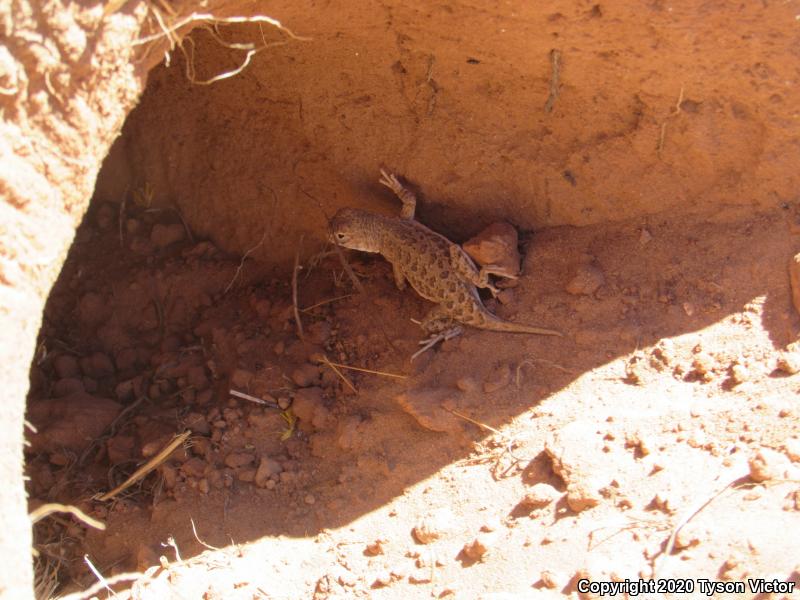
340,236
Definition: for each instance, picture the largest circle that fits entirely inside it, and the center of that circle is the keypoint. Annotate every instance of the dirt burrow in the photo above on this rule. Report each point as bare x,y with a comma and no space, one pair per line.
496,464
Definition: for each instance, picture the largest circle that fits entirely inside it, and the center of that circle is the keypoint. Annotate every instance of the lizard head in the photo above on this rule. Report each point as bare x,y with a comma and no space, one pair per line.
351,228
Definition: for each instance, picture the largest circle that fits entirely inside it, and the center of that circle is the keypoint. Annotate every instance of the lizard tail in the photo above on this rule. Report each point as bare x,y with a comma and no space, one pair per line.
493,323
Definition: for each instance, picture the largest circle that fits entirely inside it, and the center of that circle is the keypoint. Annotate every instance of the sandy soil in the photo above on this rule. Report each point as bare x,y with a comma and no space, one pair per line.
590,451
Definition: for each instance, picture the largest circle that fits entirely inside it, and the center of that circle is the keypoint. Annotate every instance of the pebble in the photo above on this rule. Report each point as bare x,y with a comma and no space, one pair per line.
767,464
432,527
788,362
499,378
466,384
586,281
197,423
541,495
65,366
309,499
239,459
551,579
496,245
306,375
164,235
375,548
203,486
581,497
267,468
478,547
65,387
194,467
792,449
241,378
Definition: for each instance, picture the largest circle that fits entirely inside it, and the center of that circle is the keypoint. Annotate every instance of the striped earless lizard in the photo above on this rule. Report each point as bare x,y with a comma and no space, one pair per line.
438,269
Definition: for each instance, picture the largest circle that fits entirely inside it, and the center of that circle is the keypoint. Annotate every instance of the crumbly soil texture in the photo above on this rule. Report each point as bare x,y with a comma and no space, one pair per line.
657,438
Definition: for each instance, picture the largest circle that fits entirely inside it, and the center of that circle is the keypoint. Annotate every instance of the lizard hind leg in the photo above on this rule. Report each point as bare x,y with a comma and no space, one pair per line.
440,327
406,196
464,266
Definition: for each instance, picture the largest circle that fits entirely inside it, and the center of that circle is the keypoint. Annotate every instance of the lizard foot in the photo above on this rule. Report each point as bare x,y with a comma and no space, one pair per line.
443,336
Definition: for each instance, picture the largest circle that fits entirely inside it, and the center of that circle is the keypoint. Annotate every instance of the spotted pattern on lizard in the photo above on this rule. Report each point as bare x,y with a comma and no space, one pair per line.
438,269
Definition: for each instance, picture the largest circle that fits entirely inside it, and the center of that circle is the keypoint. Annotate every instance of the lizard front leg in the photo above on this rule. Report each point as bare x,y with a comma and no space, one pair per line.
406,196
465,267
399,278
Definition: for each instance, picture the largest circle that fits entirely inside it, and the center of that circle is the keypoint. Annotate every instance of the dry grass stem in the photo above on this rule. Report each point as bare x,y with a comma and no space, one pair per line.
328,363
99,575
324,302
384,373
555,64
151,464
295,269
241,262
197,537
675,111
48,509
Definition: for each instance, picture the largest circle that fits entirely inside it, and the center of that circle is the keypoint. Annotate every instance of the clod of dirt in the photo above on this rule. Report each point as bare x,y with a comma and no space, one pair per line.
197,423
65,365
496,245
466,384
794,278
499,378
239,459
306,375
740,373
381,579
162,236
120,448
587,280
577,455
309,408
241,378
267,469
541,495
436,525
425,405
97,365
478,547
767,464
703,366
374,548
788,362
552,579
194,467
792,449
69,423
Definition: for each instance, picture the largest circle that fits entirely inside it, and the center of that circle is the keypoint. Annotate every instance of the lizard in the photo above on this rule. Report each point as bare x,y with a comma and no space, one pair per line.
438,269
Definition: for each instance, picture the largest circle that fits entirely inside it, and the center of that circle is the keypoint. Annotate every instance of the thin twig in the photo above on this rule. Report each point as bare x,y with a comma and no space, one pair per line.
675,111
384,373
348,269
295,269
250,398
241,262
555,64
99,576
197,537
324,302
151,464
48,509
325,361
92,591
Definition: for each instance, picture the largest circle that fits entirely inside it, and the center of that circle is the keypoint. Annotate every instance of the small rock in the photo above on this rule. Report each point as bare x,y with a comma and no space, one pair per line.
163,235
203,486
420,576
66,366
309,407
466,384
794,278
739,373
645,236
267,468
767,464
306,375
98,365
434,526
120,448
382,579
194,467
426,406
241,378
496,245
788,362
319,332
246,475
197,378
375,548
500,378
587,280
581,497
792,449
309,499
239,459
552,580
71,422
197,423
478,547
104,217
65,387
703,365
541,495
